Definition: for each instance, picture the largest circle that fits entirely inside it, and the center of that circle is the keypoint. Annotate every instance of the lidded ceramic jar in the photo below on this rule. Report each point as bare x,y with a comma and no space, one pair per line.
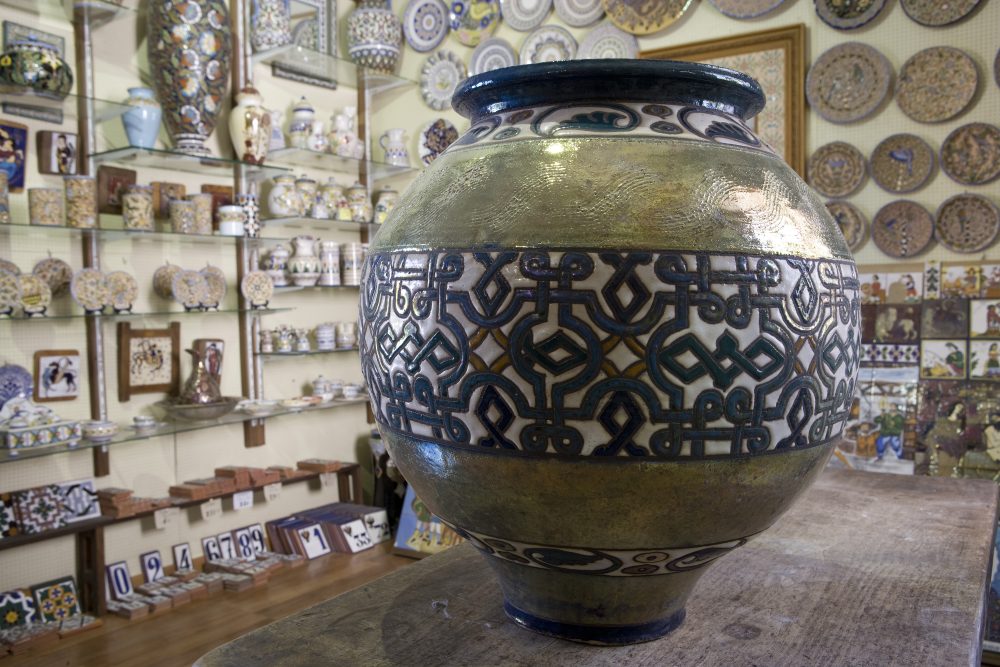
275,263
31,65
137,208
361,206
142,120
329,260
308,191
384,204
284,200
250,127
680,336
374,36
300,126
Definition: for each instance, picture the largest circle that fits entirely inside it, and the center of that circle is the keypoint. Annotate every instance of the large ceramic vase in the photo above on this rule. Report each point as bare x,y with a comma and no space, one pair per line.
142,120
609,336
189,47
374,36
33,66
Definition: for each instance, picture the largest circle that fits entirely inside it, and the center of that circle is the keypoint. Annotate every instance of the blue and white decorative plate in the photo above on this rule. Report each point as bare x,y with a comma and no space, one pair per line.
608,41
525,15
550,43
441,74
435,139
746,9
425,24
472,21
848,15
494,53
14,381
579,13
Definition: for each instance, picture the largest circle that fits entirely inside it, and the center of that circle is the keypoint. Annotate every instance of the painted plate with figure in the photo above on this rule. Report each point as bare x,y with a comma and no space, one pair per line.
491,54
848,82
525,15
902,163
425,24
440,75
579,13
852,222
967,223
472,21
435,139
645,18
848,15
550,43
936,13
937,84
746,9
837,169
608,41
971,154
902,228
89,289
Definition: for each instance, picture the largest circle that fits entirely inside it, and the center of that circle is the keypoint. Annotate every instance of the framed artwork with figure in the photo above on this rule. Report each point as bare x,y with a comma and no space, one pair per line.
148,360
776,59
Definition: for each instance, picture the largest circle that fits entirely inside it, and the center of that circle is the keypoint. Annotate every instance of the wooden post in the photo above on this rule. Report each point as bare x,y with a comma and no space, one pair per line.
90,570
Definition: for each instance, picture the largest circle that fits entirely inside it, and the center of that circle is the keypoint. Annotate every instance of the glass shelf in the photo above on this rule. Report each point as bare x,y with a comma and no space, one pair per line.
286,226
303,157
321,65
156,158
104,110
96,12
299,288
129,434
311,353
112,234
164,313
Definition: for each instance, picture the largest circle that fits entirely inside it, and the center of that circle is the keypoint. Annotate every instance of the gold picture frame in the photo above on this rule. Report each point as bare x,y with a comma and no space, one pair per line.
757,54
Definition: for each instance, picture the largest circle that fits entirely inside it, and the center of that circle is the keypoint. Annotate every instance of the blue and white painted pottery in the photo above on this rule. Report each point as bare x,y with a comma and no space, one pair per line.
609,336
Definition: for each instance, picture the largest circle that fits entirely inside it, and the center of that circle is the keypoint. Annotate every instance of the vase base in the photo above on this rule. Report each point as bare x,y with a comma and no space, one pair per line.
603,635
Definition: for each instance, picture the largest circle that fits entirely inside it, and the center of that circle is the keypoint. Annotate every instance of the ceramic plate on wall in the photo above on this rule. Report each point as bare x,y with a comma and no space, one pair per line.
57,273
848,15
936,84
441,74
122,291
14,381
967,223
902,163
257,288
425,24
848,82
472,21
493,53
215,279
971,154
746,9
9,266
607,41
435,138
837,169
644,18
549,43
579,13
33,294
852,222
89,289
525,15
902,228
8,291
190,289
938,12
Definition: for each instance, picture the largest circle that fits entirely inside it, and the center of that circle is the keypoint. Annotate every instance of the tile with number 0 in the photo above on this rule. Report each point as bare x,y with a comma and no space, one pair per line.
152,566
313,541
210,547
119,580
182,557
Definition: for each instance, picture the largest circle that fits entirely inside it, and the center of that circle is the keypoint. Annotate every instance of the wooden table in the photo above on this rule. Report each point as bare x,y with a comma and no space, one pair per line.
866,569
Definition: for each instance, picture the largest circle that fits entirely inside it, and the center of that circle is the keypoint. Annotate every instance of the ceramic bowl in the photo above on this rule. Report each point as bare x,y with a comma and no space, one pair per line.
98,431
352,391
257,407
196,411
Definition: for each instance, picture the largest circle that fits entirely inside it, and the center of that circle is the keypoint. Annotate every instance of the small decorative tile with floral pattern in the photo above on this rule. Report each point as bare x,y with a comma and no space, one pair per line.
8,516
56,600
39,509
79,500
16,608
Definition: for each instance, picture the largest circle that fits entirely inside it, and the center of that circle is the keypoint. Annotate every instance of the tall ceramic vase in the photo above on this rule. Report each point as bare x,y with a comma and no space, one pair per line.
250,127
374,36
142,120
643,361
189,45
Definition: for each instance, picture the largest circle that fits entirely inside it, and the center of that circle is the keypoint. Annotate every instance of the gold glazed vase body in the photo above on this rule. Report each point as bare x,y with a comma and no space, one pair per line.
609,336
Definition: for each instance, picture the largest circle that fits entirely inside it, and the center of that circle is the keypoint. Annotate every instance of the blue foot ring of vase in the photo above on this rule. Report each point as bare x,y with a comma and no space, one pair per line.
596,634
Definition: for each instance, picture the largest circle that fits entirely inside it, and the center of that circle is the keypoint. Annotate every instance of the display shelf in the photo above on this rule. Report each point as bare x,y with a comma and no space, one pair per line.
299,288
303,157
71,529
288,226
158,237
157,158
311,353
161,313
343,72
104,110
96,12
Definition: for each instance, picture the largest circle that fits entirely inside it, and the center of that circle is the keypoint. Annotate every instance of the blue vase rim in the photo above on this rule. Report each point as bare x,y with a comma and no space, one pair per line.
609,80
139,90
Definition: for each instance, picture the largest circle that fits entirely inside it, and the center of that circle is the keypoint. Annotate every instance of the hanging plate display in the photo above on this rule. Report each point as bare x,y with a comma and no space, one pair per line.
579,13
548,44
967,223
122,291
525,15
837,169
902,228
971,154
848,15
852,222
8,291
190,289
936,84
435,138
425,24
936,13
902,163
644,18
215,280
15,381
472,21
33,294
57,273
746,9
848,82
89,289
441,74
493,53
257,288
607,41
9,266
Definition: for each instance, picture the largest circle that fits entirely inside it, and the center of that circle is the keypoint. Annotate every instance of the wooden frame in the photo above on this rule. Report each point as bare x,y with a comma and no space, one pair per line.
42,395
791,41
163,192
53,159
126,334
14,148
110,183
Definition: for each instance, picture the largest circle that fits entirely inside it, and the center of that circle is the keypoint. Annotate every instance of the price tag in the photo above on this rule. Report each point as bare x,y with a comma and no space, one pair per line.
328,478
243,500
165,517
211,509
272,491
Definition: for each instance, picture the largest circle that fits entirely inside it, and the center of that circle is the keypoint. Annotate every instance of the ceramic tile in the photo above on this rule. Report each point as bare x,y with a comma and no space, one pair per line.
56,600
8,516
16,608
39,509
79,500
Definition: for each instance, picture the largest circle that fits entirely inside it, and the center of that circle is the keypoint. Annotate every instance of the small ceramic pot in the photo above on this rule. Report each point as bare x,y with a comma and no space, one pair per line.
300,126
302,343
393,142
266,339
352,390
143,423
325,335
347,334
142,120
98,431
386,202
361,205
351,260
231,219
317,141
283,339
202,212
31,65
275,263
305,265
45,207
307,189
329,259
81,201
137,208
284,201
182,216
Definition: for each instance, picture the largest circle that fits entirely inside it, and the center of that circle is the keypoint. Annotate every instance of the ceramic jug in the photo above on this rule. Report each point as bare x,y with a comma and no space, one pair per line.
393,142
200,387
